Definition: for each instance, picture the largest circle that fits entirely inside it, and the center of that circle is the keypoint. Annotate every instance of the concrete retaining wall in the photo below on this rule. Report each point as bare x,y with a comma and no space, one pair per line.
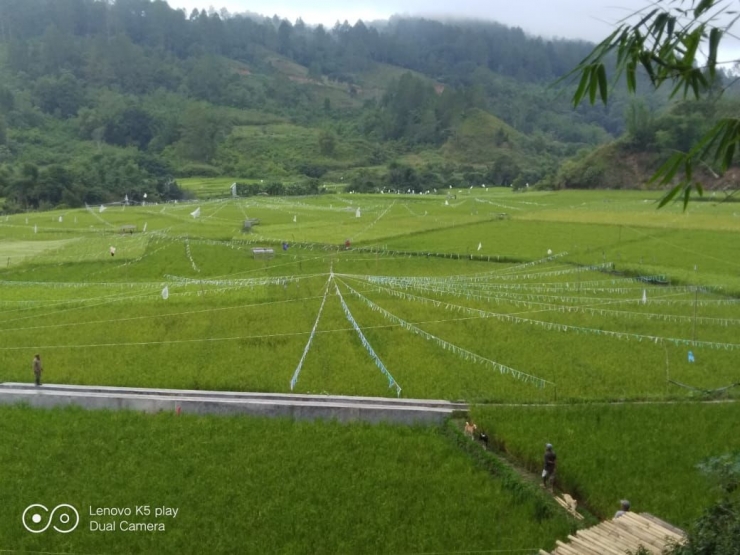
304,407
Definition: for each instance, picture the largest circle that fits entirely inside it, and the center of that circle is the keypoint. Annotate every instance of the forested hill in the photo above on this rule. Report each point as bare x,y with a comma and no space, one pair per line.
101,99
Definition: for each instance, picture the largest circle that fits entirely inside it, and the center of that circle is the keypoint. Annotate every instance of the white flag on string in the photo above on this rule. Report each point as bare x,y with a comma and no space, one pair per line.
195,213
480,246
101,209
549,252
35,228
61,219
357,213
644,296
295,218
447,203
165,293
144,230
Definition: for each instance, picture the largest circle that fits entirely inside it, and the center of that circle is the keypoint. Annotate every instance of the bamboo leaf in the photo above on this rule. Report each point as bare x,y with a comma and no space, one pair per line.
729,154
647,18
593,84
667,171
703,6
669,196
692,41
659,25
601,73
631,75
686,196
715,36
581,90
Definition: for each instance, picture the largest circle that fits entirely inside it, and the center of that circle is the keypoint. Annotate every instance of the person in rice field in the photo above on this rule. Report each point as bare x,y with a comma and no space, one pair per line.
624,508
548,472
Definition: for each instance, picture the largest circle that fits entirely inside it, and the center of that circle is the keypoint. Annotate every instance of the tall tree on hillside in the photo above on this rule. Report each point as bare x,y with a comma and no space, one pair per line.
327,143
62,96
284,33
3,131
202,130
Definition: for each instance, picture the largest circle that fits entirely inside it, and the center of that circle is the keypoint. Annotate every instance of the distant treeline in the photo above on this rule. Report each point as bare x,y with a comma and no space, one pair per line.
449,51
277,188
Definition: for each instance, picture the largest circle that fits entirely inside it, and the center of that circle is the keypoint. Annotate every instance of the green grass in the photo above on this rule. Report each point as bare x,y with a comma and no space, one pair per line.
17,251
645,453
258,486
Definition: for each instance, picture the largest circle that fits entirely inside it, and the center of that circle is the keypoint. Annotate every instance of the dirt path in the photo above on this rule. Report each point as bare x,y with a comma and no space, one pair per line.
526,476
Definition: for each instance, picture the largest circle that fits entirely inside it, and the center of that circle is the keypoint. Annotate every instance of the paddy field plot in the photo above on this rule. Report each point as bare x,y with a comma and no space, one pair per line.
645,309
259,486
647,453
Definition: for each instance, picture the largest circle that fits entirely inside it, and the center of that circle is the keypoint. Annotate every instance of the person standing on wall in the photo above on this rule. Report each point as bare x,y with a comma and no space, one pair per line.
37,368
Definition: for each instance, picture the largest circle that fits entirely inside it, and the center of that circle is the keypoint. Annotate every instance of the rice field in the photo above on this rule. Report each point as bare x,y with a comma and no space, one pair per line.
541,308
424,280
243,485
645,453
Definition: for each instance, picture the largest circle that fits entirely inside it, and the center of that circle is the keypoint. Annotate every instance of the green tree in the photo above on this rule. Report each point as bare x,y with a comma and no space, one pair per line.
3,131
327,143
667,40
640,126
62,96
22,187
7,100
202,130
503,170
208,78
717,531
131,127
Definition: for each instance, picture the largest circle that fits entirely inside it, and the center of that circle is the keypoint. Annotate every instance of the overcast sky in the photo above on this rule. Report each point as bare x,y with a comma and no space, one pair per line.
586,19
574,19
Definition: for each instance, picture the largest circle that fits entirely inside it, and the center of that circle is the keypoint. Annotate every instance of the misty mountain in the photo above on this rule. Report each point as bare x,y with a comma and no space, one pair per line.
99,99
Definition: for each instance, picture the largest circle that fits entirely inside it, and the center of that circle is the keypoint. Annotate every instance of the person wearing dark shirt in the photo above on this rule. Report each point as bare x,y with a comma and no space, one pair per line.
37,368
624,508
548,473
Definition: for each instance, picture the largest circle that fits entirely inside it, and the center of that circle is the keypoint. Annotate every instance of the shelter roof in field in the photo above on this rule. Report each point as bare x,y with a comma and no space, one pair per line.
620,535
